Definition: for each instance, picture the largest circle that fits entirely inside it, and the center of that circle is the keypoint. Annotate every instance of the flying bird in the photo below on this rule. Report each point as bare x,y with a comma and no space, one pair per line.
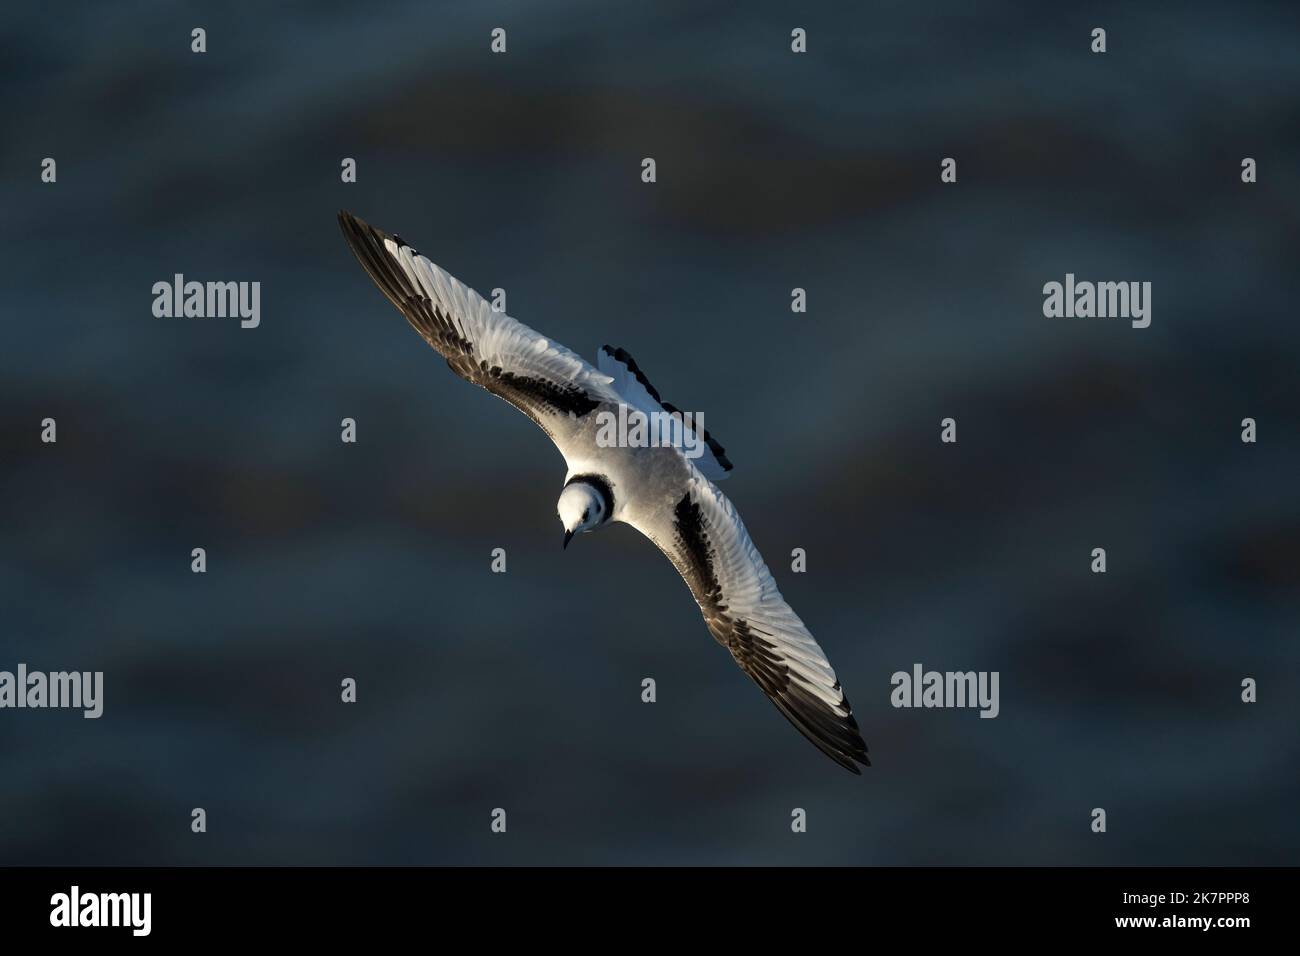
664,492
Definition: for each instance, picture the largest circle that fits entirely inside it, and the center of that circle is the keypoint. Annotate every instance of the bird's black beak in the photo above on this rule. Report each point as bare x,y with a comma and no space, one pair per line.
568,536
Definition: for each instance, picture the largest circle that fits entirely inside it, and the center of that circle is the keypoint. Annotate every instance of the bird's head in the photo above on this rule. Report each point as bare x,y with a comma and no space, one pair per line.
583,506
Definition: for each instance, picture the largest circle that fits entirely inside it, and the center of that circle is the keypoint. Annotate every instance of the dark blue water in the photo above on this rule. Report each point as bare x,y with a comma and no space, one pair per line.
775,170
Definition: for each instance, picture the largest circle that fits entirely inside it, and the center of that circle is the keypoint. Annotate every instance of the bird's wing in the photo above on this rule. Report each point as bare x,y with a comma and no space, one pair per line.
546,381
707,543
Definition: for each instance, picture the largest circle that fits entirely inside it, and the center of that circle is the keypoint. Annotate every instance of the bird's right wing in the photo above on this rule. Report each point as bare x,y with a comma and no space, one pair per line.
707,543
546,381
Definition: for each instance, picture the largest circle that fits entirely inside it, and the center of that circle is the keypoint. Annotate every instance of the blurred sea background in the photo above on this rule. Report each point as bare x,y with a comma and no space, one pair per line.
522,171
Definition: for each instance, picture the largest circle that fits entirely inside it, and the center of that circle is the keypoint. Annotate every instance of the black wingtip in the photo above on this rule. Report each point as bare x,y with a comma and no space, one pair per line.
850,761
354,228
837,736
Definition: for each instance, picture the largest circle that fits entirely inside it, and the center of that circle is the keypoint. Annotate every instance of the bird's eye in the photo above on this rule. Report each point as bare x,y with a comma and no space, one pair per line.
586,514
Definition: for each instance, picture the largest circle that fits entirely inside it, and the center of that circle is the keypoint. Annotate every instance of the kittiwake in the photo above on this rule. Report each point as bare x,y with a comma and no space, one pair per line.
666,494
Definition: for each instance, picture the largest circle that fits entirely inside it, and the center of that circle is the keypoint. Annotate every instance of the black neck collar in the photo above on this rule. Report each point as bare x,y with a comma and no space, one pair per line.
603,488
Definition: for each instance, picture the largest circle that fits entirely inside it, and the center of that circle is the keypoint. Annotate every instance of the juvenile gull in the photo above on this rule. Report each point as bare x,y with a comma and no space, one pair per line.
661,491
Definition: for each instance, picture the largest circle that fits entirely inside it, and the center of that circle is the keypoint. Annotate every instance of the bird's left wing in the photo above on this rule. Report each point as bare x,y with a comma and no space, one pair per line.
546,381
703,537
